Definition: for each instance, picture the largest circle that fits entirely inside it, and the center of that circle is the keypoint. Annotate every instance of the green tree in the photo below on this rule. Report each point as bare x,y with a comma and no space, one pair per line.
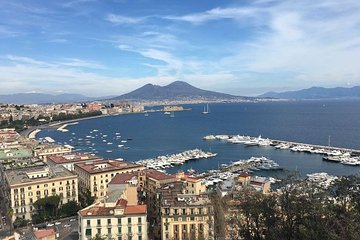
69,209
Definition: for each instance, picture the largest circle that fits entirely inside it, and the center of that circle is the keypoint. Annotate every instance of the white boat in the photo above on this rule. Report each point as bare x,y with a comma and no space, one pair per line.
120,145
206,109
167,113
123,141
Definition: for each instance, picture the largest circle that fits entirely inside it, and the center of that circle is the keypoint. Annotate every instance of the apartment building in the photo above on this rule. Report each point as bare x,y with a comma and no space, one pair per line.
184,216
96,175
113,218
46,150
68,160
26,185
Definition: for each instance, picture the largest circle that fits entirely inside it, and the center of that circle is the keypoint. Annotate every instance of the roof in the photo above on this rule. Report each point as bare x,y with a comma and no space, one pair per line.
244,175
191,178
72,158
107,166
136,209
122,178
158,175
21,175
99,209
44,233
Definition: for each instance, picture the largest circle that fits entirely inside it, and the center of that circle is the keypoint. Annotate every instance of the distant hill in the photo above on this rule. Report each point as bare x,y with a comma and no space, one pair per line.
39,98
175,91
317,93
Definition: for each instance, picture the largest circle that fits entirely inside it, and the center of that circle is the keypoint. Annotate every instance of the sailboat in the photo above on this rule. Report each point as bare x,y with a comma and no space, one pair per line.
206,110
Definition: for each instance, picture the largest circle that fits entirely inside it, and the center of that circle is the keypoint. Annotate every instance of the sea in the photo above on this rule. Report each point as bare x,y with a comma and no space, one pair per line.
315,122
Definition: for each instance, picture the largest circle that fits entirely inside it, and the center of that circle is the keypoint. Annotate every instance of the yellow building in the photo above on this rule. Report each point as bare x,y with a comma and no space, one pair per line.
193,185
43,151
96,176
184,216
26,185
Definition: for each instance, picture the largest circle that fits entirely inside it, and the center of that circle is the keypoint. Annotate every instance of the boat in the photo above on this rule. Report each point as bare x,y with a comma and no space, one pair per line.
167,113
120,145
191,171
206,109
146,114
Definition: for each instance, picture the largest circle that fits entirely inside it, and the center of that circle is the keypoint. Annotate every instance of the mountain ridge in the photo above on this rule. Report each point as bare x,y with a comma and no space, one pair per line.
315,93
177,90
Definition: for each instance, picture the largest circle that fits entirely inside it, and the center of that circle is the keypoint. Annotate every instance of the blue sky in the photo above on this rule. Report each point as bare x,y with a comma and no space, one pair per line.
245,47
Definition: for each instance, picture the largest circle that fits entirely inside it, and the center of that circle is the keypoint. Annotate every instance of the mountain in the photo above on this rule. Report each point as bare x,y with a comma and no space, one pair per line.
30,98
175,91
317,93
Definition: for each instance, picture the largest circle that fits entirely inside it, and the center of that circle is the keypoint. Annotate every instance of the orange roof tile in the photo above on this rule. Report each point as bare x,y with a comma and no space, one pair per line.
44,233
136,209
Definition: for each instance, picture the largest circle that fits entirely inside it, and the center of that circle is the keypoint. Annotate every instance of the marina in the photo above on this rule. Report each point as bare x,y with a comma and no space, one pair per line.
332,154
168,161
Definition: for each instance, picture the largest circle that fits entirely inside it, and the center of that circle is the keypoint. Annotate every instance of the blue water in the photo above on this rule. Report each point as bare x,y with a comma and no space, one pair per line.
159,134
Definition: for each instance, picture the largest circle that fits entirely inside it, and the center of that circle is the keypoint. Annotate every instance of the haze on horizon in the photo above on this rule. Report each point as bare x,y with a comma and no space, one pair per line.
249,47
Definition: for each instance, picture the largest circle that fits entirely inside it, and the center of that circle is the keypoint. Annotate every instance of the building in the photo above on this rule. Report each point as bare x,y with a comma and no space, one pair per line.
15,153
26,185
184,216
45,234
45,150
193,185
260,184
96,175
68,160
114,218
8,135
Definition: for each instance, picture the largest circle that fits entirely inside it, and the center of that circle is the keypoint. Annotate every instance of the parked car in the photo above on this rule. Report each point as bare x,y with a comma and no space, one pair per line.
67,225
49,224
57,223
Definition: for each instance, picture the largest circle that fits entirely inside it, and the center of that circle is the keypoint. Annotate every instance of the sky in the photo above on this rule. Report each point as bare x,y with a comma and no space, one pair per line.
243,47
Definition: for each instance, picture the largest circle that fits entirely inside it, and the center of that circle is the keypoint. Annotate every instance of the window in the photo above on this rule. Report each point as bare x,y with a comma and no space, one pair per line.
184,211
129,231
119,221
88,222
37,186
109,231
129,220
139,229
140,237
200,210
192,211
29,188
45,185
31,201
109,221
139,220
38,193
119,230
99,231
175,211
98,222
88,232
30,194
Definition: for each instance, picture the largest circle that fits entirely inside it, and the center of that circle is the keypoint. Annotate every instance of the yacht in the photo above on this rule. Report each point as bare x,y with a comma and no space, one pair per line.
206,109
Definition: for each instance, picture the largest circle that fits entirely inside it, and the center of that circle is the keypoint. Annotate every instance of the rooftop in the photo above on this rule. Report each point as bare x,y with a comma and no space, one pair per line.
122,178
36,174
106,166
99,209
151,173
73,158
44,233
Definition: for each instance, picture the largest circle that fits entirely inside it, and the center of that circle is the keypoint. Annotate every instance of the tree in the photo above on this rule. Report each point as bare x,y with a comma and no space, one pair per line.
10,214
48,206
69,209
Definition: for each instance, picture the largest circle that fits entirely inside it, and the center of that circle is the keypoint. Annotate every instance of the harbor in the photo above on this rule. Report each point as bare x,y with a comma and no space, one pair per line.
332,154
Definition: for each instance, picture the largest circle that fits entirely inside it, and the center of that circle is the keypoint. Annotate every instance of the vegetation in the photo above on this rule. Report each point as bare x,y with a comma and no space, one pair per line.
80,114
19,222
85,198
48,209
300,210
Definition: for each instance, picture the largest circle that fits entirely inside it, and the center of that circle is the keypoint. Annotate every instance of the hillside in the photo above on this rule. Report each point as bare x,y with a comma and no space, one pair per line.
317,93
175,91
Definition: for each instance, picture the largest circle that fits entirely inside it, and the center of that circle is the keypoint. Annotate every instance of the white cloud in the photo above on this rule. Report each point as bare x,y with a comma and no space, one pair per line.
74,62
215,14
120,20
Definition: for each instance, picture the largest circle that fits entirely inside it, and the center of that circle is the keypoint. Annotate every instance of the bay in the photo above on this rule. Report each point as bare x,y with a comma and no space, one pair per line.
159,134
